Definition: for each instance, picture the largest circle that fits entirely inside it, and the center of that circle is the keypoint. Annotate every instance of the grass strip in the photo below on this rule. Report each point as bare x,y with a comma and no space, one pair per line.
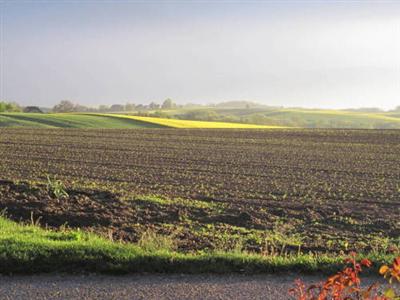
28,249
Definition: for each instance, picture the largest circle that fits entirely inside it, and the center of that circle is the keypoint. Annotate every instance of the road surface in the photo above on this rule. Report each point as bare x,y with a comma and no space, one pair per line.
146,286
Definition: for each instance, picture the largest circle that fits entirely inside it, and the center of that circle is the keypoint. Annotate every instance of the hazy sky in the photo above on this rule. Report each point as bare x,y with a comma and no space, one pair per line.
313,54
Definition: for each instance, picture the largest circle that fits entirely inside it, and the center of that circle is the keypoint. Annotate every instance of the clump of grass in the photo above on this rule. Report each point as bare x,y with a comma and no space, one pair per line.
152,241
56,187
156,199
279,238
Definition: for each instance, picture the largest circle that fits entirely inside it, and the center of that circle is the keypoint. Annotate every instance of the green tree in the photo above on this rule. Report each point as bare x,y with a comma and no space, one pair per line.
81,108
201,115
168,104
154,106
117,107
64,106
104,108
9,107
130,107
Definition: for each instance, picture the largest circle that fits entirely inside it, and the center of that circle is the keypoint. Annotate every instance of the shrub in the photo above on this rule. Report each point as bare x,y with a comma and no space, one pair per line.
346,285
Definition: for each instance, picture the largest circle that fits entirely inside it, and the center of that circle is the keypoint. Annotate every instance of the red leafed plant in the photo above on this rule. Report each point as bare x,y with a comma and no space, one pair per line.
346,284
391,273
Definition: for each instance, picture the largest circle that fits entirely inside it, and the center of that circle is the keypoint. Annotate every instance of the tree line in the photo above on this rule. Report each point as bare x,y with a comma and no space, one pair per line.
68,106
65,106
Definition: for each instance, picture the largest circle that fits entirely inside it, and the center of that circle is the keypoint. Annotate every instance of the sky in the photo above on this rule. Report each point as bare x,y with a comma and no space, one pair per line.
317,54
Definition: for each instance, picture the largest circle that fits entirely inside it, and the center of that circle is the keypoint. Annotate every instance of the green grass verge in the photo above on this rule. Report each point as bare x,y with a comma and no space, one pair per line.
29,249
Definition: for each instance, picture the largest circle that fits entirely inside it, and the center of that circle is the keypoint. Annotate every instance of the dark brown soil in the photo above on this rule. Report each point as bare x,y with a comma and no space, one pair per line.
95,210
336,189
106,214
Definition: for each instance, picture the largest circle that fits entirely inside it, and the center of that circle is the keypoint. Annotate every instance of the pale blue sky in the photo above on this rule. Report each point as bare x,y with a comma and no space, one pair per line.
291,53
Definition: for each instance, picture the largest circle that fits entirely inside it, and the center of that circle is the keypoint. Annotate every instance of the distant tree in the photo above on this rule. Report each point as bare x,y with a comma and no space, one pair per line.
130,107
160,114
140,107
9,107
81,108
397,108
14,107
117,107
365,109
32,109
240,104
154,106
168,104
104,108
64,106
193,105
201,115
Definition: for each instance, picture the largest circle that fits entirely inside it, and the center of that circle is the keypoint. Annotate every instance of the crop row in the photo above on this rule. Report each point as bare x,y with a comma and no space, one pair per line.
330,185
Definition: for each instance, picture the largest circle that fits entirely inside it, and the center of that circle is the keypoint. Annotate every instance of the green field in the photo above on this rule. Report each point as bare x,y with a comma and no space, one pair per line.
70,121
304,118
208,118
174,123
335,118
120,121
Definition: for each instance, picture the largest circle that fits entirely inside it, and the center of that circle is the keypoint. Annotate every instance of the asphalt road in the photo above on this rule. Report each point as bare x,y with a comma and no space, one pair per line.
147,287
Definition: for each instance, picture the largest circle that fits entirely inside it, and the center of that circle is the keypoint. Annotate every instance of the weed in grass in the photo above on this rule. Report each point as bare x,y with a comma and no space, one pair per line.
35,222
379,244
56,187
279,238
151,241
227,242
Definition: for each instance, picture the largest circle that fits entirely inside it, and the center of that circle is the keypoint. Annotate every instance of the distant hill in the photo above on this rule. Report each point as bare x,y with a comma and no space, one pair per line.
87,120
210,117
75,120
240,105
295,117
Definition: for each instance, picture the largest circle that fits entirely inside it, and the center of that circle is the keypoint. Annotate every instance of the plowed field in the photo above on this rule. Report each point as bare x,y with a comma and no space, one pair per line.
270,190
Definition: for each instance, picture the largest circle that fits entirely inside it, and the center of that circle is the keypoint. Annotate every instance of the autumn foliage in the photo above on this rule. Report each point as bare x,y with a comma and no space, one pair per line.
346,284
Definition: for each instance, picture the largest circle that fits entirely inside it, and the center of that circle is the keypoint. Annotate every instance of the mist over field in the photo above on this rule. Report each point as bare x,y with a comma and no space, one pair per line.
308,54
